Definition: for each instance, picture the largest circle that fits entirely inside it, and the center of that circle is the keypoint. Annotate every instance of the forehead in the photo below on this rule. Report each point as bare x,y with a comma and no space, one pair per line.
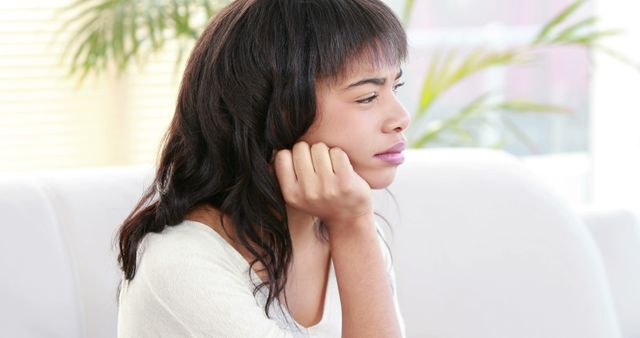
356,71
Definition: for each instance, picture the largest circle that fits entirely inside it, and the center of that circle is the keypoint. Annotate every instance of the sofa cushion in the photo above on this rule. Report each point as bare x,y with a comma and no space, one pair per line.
617,233
38,295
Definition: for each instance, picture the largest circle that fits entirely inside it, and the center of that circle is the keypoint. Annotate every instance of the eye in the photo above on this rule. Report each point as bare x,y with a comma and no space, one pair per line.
395,88
368,99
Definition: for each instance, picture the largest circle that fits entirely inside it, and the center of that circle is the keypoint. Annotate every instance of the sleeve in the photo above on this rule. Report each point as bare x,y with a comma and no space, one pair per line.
386,253
208,298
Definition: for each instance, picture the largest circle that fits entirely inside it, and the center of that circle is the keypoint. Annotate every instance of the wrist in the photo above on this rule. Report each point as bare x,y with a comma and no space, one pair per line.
350,226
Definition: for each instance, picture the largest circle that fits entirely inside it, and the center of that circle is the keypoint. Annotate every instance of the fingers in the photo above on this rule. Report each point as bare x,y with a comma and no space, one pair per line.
310,167
321,182
341,164
321,160
284,169
302,159
302,164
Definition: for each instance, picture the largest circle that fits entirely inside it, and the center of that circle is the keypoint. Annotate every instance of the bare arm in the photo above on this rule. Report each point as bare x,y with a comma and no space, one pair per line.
321,182
365,290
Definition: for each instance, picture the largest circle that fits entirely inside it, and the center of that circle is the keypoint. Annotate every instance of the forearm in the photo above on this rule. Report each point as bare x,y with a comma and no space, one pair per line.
365,290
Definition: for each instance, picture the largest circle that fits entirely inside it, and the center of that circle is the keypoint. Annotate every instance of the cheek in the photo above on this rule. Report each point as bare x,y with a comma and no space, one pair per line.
336,124
350,134
340,123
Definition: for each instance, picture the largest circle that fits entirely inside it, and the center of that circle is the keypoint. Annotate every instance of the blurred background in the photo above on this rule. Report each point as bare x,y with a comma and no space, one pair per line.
554,82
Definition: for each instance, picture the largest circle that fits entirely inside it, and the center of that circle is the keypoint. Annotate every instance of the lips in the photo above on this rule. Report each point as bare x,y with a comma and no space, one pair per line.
399,147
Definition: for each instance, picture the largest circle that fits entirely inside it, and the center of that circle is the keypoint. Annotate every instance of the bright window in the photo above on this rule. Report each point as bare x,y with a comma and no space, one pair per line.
46,121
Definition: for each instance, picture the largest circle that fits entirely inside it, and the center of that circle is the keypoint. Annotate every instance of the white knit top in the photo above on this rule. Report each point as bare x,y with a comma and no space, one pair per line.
190,282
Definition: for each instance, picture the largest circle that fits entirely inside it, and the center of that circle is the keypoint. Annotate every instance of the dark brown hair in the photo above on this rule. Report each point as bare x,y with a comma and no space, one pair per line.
249,89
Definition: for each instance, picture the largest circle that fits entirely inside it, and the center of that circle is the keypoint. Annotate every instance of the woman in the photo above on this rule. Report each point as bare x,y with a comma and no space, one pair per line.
260,221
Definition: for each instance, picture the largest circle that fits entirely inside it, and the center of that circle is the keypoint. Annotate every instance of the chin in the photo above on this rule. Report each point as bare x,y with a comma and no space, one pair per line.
380,179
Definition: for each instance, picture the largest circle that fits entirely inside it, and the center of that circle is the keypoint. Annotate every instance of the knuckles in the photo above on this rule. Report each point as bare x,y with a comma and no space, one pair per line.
319,147
321,195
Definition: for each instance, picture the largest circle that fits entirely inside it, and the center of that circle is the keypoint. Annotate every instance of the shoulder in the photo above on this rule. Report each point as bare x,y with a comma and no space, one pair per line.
184,238
189,277
188,268
187,250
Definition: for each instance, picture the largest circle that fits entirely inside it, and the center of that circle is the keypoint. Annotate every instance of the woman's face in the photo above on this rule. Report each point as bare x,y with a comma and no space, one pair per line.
361,115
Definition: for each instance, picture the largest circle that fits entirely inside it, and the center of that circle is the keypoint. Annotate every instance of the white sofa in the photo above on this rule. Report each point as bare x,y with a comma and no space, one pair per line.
482,249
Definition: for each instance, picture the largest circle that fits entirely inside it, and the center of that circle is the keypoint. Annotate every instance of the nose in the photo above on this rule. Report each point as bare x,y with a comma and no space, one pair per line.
398,119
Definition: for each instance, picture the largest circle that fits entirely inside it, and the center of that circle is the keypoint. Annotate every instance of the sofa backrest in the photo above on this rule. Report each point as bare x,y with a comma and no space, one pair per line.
481,249
38,295
484,249
57,258
617,233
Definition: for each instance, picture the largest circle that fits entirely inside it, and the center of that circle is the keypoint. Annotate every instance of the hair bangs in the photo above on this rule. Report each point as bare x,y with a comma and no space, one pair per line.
348,34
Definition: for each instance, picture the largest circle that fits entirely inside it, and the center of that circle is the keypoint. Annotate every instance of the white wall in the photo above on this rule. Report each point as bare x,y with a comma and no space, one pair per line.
615,121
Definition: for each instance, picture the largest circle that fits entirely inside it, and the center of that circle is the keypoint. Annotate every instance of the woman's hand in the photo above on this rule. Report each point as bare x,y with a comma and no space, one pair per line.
321,182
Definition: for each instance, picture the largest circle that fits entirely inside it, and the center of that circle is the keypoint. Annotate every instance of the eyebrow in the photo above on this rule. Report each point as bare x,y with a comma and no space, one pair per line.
376,81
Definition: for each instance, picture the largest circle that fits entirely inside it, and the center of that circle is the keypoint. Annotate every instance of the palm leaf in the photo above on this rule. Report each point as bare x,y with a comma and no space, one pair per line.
434,129
558,19
479,107
427,93
616,55
436,80
482,119
447,69
573,29
525,106
443,74
589,39
406,13
519,134
117,31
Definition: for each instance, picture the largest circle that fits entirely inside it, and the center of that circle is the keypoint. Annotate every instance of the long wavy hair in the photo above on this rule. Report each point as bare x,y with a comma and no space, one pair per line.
249,88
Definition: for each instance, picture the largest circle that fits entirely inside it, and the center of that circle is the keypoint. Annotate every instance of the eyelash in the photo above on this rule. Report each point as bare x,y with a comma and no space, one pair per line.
373,97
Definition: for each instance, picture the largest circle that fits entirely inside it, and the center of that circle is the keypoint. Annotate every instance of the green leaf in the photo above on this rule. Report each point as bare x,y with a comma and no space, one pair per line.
151,29
464,135
617,56
500,144
85,13
524,106
115,32
406,14
443,75
519,134
434,129
118,34
558,19
478,107
589,39
573,29
208,8
446,69
427,93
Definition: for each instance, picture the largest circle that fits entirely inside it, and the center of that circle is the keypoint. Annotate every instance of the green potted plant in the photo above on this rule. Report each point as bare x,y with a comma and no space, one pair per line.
119,33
